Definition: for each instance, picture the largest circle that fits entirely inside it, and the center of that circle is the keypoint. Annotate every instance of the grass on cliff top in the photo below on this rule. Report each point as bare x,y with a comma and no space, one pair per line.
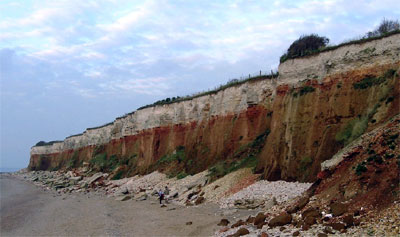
230,83
361,40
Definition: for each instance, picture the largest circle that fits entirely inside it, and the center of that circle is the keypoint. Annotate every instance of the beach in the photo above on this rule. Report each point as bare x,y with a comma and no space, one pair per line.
28,210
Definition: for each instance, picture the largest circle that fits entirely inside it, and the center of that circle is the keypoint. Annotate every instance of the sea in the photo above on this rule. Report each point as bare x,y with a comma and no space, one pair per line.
8,170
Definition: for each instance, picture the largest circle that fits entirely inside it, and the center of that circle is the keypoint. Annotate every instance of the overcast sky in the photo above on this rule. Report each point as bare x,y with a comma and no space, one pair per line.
68,65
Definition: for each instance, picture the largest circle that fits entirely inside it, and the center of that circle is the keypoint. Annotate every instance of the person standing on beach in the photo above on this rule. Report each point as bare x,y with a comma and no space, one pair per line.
166,194
160,195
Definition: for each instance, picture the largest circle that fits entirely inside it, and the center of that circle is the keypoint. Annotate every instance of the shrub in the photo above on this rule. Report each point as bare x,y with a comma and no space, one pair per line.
305,45
368,82
306,89
361,169
384,28
118,175
178,155
181,175
43,143
104,164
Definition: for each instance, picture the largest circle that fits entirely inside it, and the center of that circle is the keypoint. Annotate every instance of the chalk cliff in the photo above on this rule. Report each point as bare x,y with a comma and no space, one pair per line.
296,121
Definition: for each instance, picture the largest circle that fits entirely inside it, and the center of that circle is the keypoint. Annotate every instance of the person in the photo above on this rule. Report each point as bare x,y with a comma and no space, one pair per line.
166,191
166,194
160,195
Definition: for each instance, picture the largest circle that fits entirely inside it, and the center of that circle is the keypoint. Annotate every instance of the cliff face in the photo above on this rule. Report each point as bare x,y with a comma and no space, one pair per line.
300,119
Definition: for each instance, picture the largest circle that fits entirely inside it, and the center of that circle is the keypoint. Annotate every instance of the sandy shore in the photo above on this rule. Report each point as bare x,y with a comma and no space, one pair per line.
27,210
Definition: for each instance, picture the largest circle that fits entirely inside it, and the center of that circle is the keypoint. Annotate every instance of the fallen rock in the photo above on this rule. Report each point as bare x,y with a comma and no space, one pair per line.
296,233
141,197
250,219
337,226
241,232
260,225
282,219
94,178
238,223
223,222
328,230
311,212
310,220
263,234
76,178
199,200
338,208
300,204
260,218
348,220
189,223
123,198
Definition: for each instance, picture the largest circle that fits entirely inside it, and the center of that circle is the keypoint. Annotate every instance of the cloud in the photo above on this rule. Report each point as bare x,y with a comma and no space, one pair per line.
99,59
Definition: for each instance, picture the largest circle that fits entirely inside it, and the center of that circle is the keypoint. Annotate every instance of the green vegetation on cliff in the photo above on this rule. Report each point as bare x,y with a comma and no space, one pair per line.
245,157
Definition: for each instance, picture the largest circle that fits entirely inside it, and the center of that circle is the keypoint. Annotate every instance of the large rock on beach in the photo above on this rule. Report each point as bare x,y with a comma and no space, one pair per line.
338,208
280,220
123,198
224,222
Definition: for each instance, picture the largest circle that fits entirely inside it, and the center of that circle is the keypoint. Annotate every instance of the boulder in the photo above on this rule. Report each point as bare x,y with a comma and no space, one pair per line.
310,216
296,233
238,223
94,178
282,219
300,204
263,234
348,219
311,212
310,220
76,179
123,198
260,218
250,219
241,232
189,223
260,225
141,197
338,208
328,230
199,200
337,226
223,222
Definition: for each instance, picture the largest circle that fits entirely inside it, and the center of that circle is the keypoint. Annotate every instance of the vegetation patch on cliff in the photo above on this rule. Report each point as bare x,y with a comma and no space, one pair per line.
245,157
372,81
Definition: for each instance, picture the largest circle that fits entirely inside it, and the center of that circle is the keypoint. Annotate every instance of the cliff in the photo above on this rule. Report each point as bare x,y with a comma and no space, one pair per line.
285,127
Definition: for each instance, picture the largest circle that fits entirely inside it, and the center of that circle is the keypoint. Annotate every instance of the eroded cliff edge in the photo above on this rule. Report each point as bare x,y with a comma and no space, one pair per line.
285,127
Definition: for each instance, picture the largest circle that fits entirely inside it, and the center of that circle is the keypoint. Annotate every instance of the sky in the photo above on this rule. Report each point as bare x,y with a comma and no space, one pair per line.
69,65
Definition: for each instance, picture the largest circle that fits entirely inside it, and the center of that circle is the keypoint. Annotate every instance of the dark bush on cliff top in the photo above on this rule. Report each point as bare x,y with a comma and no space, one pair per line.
384,28
305,45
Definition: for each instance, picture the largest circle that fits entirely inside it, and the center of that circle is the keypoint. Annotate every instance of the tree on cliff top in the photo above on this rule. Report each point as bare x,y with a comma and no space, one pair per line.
385,27
305,45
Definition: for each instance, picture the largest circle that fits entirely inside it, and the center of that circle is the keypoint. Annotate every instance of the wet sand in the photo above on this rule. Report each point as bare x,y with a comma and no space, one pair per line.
27,210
